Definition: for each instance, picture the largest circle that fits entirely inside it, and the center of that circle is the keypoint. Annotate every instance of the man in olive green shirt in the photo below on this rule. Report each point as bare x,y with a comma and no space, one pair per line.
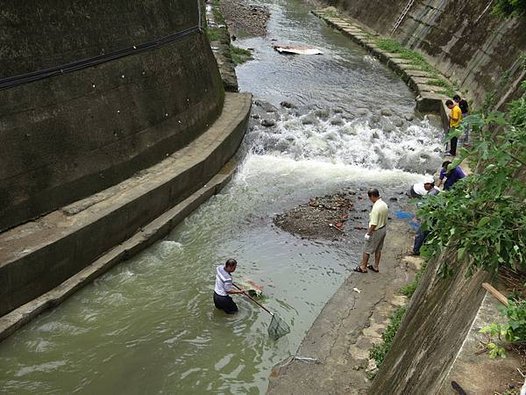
375,236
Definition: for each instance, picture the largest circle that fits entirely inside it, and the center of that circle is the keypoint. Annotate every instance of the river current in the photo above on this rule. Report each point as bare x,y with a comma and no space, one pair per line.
148,325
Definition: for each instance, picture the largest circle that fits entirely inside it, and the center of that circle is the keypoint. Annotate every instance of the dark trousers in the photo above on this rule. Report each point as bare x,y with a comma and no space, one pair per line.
420,237
225,303
453,149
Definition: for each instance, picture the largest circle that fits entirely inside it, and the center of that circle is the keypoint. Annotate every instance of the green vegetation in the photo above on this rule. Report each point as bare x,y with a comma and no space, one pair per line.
409,289
379,351
392,46
514,331
483,218
509,8
240,55
214,34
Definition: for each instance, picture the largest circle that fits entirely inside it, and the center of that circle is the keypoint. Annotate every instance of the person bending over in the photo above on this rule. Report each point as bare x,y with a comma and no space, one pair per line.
451,174
223,287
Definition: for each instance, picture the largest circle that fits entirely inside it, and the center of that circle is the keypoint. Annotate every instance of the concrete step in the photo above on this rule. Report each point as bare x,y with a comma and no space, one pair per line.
39,255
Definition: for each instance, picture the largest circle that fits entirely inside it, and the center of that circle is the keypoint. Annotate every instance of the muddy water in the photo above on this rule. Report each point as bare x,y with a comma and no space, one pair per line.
149,325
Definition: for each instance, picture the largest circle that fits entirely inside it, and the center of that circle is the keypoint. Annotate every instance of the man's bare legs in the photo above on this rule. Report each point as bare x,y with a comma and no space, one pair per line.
365,260
377,256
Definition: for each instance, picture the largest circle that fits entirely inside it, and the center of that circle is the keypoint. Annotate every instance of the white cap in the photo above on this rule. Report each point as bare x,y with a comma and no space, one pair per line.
419,189
429,180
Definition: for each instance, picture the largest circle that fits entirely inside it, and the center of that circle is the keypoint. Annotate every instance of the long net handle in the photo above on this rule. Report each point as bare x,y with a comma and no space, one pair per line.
254,300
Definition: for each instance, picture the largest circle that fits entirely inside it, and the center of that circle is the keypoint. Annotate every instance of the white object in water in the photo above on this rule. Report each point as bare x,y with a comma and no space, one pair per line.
297,50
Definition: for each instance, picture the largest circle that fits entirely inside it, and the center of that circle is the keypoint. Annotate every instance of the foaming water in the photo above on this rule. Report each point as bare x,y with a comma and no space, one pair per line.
149,325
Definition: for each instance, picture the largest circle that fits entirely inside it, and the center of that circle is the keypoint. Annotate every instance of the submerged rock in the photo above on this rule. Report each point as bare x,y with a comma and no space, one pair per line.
268,123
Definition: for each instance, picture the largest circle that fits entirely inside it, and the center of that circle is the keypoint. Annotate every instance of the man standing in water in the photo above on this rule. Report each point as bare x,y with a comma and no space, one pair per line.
375,236
223,287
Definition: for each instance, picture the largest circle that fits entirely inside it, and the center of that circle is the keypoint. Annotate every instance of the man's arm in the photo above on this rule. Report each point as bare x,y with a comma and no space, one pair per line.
231,291
371,229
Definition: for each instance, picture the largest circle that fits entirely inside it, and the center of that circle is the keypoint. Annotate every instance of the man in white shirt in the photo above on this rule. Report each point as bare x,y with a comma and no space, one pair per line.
223,287
375,236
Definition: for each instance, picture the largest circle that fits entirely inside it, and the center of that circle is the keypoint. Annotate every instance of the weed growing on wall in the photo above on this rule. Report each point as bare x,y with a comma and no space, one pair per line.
379,351
483,217
240,55
514,331
509,8
392,46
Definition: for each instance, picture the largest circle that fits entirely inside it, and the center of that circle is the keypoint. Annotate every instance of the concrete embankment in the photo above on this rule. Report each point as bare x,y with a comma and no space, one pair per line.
464,40
429,98
43,254
113,88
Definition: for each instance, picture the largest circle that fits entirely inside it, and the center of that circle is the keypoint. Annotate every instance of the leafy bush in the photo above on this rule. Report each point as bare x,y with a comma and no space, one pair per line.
379,351
514,331
482,217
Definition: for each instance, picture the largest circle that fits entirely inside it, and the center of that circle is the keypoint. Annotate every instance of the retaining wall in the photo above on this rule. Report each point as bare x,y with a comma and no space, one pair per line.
461,38
432,332
71,135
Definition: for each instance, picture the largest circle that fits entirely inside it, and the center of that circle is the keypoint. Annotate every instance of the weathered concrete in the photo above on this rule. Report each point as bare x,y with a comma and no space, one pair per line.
439,317
69,136
349,324
221,47
473,370
462,39
39,255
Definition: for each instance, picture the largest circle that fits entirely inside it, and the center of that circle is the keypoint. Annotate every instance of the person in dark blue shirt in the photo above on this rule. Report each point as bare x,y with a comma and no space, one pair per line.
452,175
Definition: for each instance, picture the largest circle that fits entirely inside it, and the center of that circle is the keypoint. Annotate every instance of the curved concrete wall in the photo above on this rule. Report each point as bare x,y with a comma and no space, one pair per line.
462,38
66,137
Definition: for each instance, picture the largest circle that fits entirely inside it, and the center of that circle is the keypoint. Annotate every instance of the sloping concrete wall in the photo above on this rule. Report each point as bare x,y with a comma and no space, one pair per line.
462,38
69,136
436,323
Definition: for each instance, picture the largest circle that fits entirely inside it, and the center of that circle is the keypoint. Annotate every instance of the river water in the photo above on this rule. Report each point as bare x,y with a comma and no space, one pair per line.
149,326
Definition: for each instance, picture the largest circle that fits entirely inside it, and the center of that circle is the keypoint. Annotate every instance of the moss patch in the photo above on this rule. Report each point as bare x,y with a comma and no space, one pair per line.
240,55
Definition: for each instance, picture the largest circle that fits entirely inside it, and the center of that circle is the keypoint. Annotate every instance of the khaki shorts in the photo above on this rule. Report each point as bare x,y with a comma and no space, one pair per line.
376,242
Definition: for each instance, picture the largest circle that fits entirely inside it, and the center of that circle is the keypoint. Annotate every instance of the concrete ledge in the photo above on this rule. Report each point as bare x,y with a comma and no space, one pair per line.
150,233
40,255
428,100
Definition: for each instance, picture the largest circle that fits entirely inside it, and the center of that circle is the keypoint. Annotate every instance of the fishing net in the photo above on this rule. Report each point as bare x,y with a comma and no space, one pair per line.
277,327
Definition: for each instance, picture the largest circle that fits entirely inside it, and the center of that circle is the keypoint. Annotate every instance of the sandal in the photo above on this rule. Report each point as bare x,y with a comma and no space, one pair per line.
373,269
359,270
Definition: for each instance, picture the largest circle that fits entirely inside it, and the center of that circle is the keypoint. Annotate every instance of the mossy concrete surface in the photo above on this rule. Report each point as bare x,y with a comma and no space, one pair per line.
437,321
71,135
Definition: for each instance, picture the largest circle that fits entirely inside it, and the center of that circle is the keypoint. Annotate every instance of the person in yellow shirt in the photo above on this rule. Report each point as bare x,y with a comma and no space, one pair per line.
455,118
375,236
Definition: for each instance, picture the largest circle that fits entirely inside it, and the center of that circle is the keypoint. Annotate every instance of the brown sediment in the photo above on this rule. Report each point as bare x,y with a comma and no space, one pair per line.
244,18
322,217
